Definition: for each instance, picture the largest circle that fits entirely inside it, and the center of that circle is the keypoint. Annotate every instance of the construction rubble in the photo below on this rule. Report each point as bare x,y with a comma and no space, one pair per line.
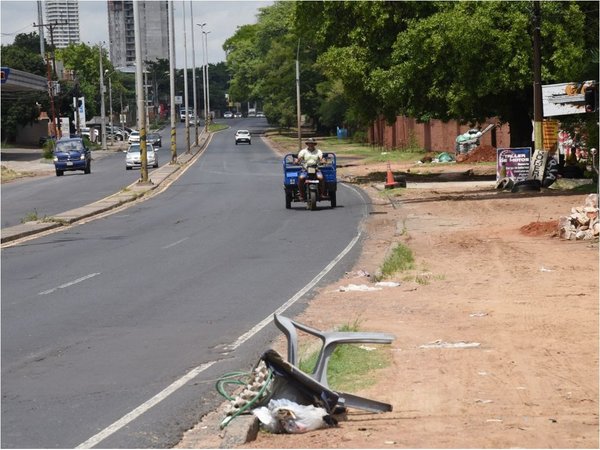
583,222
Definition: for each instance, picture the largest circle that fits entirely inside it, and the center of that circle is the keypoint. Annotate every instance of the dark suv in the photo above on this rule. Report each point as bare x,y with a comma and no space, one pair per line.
71,154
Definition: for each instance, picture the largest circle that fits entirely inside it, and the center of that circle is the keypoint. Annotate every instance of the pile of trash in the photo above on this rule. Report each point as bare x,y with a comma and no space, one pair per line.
583,222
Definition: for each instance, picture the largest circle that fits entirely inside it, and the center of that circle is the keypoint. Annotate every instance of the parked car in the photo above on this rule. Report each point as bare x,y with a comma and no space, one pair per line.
242,136
134,156
154,139
72,154
237,115
260,114
134,137
227,115
117,133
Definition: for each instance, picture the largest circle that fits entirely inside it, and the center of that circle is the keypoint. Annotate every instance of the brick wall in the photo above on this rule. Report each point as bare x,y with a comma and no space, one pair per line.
435,135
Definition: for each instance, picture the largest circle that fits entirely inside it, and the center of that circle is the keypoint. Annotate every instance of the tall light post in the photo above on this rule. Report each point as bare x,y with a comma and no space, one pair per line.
172,82
102,107
194,75
298,97
110,108
207,119
185,89
139,90
201,25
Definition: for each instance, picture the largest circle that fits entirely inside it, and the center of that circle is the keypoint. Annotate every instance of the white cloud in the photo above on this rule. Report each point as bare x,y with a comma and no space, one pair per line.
222,19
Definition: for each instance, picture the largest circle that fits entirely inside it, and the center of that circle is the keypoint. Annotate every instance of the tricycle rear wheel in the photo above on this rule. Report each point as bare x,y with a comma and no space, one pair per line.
333,199
288,199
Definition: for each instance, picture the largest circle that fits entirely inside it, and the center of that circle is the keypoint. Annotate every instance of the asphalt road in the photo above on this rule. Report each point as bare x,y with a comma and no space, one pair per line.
114,332
46,196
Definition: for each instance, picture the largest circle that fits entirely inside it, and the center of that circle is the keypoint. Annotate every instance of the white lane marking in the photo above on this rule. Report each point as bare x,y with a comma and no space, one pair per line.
131,416
175,243
95,440
269,319
71,283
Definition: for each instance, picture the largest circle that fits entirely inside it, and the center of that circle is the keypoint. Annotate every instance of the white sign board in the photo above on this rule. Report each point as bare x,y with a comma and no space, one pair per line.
563,98
178,99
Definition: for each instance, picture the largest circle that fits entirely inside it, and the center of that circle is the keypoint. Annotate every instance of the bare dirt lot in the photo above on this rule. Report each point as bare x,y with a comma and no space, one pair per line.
496,328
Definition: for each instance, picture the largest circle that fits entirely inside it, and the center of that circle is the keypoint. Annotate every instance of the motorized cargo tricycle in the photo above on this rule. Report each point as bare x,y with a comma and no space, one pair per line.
313,192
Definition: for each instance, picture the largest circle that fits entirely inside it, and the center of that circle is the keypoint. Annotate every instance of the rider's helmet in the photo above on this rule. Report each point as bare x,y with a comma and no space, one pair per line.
311,141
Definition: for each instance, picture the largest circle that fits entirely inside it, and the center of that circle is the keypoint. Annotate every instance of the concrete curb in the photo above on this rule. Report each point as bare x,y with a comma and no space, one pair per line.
133,192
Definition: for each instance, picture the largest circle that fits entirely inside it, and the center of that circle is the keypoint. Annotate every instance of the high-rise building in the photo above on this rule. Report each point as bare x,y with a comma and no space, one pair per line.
63,17
121,31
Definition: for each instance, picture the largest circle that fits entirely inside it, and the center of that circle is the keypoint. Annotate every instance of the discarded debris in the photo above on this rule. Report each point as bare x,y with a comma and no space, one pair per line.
442,344
285,416
583,222
358,287
387,284
478,314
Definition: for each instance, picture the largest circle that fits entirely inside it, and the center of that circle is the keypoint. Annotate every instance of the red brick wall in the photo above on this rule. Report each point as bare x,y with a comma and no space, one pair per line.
435,135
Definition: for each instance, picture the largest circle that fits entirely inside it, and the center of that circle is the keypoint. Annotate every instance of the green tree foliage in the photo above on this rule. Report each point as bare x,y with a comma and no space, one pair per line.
449,60
84,61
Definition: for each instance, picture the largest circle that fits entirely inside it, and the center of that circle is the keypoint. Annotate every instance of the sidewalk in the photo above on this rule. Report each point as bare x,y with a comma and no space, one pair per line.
24,160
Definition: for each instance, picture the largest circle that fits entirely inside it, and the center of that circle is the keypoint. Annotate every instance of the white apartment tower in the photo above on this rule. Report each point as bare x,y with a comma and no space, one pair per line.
63,18
155,32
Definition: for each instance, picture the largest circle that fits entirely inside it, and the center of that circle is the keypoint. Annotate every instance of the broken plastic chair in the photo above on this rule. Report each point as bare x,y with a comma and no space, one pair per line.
330,340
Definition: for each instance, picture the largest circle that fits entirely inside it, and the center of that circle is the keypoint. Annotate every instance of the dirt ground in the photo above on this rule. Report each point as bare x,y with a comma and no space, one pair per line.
496,328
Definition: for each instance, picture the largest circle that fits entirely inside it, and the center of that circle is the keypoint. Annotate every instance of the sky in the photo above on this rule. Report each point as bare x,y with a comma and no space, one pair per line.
222,17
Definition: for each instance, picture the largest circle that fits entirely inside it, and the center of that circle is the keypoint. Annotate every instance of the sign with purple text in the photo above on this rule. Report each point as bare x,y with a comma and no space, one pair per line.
513,163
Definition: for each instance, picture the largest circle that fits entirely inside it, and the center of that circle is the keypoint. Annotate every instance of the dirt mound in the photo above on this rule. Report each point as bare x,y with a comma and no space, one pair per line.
549,228
483,153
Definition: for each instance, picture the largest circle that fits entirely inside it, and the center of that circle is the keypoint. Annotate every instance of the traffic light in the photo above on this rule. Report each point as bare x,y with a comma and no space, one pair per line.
591,98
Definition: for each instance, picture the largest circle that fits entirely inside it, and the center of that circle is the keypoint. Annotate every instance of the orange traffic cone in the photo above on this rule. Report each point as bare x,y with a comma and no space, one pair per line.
390,182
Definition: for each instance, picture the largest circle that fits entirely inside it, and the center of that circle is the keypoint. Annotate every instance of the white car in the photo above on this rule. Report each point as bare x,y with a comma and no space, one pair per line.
242,136
228,115
134,156
134,137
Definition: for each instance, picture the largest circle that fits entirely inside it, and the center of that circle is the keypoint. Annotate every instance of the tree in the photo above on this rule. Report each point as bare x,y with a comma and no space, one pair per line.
473,60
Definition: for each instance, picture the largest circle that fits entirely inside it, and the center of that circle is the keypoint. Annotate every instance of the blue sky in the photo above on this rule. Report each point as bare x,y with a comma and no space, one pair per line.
222,17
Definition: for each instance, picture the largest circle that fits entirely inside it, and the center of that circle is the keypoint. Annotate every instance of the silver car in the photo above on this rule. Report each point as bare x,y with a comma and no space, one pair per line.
134,157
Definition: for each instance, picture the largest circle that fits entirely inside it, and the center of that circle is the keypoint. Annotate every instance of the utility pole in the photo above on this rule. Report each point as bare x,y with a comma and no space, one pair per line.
538,112
185,89
172,81
51,76
194,75
139,90
298,97
208,119
102,107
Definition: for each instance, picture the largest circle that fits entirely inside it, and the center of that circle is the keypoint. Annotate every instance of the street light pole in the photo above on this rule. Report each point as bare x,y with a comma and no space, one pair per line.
110,108
172,81
139,90
208,119
102,107
298,97
194,75
185,89
201,25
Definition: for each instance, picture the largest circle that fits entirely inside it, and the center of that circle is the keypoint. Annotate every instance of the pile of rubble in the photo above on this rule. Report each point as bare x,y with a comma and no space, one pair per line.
583,222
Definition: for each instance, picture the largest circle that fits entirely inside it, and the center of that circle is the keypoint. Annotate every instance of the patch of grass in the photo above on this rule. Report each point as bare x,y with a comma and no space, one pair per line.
346,147
217,127
31,217
350,363
587,188
400,259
